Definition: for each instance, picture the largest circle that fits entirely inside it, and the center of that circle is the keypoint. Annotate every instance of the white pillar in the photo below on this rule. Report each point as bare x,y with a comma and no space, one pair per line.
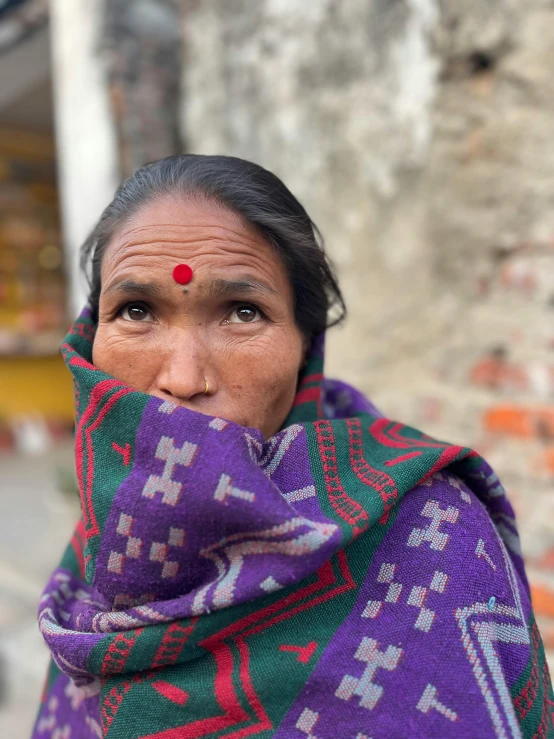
85,133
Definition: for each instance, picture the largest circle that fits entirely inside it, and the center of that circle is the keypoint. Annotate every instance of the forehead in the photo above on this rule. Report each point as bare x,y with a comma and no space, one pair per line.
172,230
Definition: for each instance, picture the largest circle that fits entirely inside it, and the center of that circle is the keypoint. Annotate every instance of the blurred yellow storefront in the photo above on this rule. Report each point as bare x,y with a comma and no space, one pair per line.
33,316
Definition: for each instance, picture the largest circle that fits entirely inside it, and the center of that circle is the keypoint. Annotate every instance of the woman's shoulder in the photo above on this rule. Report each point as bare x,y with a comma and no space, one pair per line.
445,520
446,587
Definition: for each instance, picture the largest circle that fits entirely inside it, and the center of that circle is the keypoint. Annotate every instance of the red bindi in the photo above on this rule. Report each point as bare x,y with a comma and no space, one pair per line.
182,274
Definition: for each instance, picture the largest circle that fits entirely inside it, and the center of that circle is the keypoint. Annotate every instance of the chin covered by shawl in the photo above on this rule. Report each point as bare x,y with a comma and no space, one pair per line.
349,578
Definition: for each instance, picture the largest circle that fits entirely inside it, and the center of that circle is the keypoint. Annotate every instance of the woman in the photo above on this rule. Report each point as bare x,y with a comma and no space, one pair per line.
260,552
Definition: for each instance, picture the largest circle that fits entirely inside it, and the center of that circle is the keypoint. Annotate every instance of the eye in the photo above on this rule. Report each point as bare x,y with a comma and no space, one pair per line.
244,314
135,312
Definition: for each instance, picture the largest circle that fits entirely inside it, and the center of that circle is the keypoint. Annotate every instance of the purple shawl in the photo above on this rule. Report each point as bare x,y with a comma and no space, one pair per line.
349,578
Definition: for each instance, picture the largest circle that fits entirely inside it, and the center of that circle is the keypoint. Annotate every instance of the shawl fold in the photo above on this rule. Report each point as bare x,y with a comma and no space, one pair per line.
349,577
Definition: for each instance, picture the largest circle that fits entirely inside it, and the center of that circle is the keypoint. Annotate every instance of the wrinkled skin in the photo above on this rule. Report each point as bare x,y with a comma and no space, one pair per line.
233,325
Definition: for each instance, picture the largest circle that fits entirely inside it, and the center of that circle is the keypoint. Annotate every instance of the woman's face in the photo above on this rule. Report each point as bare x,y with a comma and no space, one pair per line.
232,326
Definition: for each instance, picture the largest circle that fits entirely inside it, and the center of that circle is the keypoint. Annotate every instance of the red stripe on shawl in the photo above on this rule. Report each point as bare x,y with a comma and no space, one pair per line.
421,441
377,479
226,697
403,458
77,542
96,396
246,681
80,362
307,395
348,509
526,698
224,687
339,590
317,377
174,639
391,437
90,450
447,457
118,652
325,577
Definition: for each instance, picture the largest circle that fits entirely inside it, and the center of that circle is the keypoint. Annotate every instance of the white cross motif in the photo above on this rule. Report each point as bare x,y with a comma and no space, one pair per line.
172,456
429,700
308,719
458,484
159,551
218,424
50,723
225,488
436,538
167,407
300,494
386,575
418,596
133,547
364,687
481,553
270,585
116,560
62,732
76,695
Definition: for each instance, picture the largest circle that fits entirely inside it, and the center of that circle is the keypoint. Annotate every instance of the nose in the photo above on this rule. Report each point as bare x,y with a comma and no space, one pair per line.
182,374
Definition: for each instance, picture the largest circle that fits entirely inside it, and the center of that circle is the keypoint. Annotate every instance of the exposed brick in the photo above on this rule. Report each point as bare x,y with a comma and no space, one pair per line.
545,461
520,276
520,421
543,600
547,560
495,372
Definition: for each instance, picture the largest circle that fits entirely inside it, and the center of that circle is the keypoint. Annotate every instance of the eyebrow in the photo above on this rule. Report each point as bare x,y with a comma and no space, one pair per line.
220,288
149,289
217,288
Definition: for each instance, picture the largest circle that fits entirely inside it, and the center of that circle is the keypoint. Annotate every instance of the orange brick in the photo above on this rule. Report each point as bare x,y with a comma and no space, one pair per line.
520,421
546,460
487,371
493,371
543,600
547,560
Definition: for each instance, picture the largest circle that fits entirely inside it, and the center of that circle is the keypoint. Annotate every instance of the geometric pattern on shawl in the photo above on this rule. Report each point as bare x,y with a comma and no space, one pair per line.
349,577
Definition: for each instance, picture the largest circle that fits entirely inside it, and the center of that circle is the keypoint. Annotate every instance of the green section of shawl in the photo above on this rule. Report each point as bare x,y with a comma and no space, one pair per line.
69,559
126,414
307,406
315,624
303,624
98,453
355,493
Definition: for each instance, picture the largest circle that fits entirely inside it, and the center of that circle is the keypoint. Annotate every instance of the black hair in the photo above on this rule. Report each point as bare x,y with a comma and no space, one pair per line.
250,191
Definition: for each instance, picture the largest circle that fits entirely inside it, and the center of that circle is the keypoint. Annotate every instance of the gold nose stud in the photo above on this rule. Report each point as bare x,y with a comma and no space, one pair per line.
207,388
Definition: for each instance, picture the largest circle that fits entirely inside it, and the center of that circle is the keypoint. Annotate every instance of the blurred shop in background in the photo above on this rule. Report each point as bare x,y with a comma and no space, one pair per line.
33,287
89,91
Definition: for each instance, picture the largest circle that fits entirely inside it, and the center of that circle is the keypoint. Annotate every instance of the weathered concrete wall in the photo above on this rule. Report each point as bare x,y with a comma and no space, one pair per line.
418,135
141,45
